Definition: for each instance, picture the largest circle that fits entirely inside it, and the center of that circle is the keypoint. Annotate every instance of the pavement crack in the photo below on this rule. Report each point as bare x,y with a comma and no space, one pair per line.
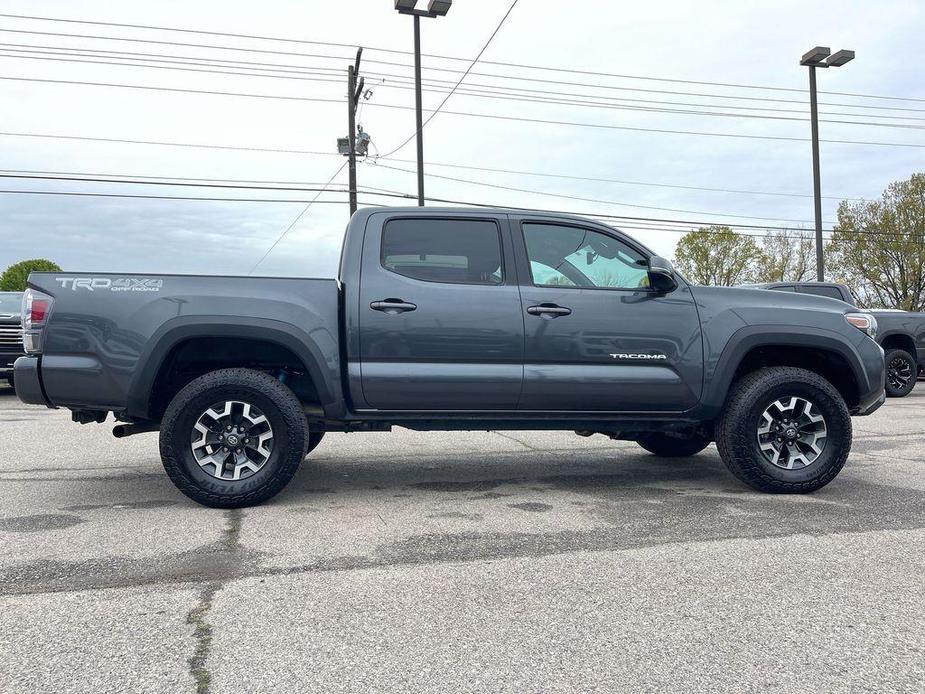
198,617
515,440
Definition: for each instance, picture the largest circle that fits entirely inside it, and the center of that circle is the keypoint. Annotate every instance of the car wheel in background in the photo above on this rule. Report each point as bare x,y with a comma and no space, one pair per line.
784,430
901,372
673,445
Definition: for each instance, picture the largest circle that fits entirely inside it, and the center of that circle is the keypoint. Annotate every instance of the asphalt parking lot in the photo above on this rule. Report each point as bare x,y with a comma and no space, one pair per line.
514,562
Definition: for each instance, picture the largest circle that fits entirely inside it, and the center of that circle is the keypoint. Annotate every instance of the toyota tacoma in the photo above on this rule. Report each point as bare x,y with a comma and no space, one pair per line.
453,319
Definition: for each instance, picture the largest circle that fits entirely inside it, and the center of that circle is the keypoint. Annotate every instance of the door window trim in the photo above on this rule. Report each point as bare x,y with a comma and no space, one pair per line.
504,273
585,227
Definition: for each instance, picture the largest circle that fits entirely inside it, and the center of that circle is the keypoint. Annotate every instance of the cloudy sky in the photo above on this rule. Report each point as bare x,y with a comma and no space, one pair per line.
681,45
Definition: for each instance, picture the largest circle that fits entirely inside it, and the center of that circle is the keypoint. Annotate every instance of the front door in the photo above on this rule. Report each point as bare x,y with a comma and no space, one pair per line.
596,337
440,320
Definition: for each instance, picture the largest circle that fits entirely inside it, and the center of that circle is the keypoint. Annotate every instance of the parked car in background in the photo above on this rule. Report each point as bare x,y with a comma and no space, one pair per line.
11,347
900,333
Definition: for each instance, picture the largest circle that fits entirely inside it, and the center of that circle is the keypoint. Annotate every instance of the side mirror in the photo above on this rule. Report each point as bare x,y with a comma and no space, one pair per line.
661,275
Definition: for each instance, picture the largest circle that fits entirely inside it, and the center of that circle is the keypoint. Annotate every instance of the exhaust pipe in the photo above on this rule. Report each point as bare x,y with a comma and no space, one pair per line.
120,431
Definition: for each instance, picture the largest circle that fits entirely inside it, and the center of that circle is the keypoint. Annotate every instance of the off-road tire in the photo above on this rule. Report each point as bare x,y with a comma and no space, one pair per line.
280,406
901,357
737,439
673,446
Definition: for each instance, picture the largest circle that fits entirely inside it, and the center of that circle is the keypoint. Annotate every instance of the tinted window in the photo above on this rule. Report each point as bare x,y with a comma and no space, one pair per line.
784,288
443,250
576,257
831,292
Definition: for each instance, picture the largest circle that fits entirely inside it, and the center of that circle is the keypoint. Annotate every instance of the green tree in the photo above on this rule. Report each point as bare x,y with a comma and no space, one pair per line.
718,256
14,279
878,246
787,256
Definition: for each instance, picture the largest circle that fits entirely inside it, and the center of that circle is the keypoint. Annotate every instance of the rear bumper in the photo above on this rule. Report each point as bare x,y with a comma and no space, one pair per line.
6,362
27,382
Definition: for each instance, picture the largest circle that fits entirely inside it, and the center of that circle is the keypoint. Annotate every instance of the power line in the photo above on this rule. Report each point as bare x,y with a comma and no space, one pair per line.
544,174
494,93
298,217
275,185
407,161
186,183
299,69
493,75
164,197
459,81
594,200
523,119
447,57
642,223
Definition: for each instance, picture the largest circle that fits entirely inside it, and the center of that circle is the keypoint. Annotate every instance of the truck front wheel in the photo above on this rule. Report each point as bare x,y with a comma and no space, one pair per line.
900,373
233,438
784,430
673,446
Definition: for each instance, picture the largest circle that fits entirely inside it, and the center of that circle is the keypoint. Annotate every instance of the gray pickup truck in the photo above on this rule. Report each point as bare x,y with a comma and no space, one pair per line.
900,333
454,319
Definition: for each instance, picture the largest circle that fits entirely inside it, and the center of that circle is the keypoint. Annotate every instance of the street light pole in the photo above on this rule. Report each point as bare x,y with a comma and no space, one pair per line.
817,184
435,8
820,56
419,110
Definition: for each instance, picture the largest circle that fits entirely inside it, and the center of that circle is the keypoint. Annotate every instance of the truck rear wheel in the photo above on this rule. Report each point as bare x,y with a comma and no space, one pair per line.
900,373
784,430
233,438
673,446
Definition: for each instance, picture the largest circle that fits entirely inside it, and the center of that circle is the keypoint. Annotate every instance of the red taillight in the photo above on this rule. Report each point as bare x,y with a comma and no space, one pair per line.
39,310
35,311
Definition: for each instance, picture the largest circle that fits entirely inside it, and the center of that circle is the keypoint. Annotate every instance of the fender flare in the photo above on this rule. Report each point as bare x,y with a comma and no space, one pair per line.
749,337
324,375
882,337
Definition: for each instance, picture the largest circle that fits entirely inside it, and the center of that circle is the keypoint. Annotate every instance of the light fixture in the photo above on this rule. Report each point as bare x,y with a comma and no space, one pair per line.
816,56
840,58
439,7
405,5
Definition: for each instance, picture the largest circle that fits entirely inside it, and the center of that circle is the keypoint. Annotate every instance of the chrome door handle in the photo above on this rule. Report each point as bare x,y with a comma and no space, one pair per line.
548,310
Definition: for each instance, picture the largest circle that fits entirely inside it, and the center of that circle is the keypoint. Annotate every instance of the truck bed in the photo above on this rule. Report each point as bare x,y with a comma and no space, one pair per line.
108,333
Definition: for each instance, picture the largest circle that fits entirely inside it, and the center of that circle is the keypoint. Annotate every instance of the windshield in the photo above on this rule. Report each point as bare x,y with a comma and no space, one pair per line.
10,303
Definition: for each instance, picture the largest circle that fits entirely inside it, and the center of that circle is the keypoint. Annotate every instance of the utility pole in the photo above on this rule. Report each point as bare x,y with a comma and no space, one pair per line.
820,56
348,145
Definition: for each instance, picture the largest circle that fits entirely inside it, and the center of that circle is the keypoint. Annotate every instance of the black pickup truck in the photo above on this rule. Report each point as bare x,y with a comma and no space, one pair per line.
900,333
454,319
11,347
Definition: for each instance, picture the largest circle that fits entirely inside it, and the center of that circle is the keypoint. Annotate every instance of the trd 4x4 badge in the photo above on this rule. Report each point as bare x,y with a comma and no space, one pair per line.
120,284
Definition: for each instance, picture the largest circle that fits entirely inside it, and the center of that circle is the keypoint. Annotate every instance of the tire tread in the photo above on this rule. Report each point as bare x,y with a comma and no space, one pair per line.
733,434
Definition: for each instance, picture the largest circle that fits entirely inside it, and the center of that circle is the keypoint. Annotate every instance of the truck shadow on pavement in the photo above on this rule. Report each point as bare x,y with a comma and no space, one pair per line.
426,508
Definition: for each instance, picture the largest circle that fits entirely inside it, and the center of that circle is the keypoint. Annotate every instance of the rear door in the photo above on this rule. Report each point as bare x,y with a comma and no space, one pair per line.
596,337
439,314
